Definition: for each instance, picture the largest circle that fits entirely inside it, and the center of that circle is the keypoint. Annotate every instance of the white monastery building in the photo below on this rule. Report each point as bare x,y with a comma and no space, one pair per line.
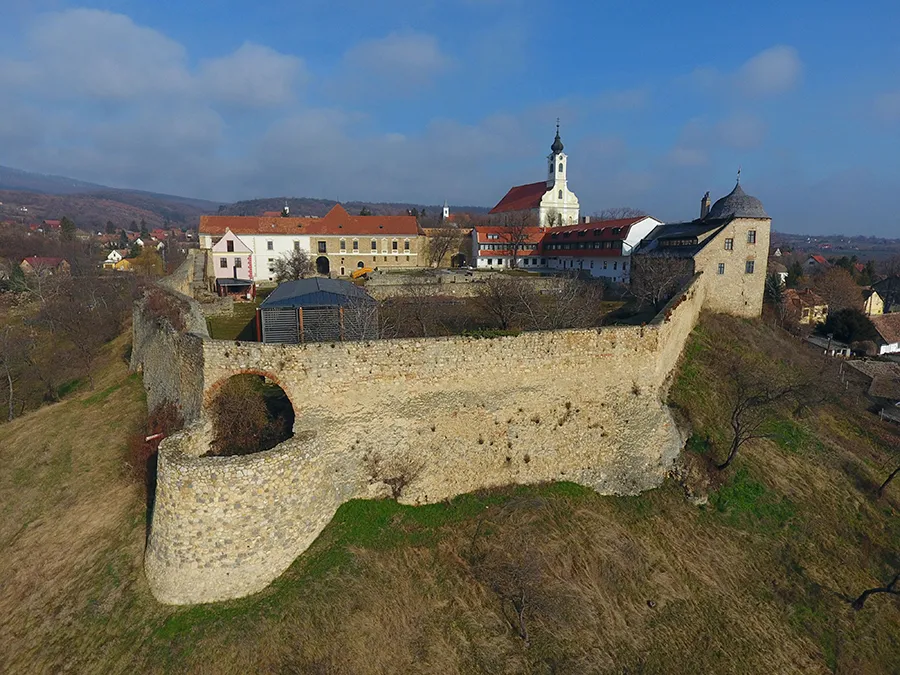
550,201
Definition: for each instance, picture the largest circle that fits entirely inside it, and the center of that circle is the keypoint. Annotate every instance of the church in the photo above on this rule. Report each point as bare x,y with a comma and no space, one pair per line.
550,201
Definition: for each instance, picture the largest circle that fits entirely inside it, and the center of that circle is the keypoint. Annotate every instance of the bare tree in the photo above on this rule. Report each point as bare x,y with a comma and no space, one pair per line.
364,321
516,231
891,588
292,266
887,481
752,390
503,298
13,360
839,289
890,267
656,278
439,242
619,212
149,263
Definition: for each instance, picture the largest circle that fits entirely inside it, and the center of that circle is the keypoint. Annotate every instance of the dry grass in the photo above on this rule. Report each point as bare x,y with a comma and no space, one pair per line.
756,582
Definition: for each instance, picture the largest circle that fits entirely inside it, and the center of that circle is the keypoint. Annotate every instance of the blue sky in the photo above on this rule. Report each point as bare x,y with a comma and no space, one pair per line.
423,101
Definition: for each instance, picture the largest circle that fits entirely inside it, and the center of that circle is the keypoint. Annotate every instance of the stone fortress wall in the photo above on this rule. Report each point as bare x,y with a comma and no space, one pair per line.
422,420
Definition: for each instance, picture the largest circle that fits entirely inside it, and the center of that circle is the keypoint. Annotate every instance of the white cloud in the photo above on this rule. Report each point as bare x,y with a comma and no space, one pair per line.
773,71
399,61
102,56
253,75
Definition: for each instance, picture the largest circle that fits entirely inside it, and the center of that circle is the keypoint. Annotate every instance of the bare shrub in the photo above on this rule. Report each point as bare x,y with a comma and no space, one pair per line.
248,416
163,305
656,278
395,472
140,463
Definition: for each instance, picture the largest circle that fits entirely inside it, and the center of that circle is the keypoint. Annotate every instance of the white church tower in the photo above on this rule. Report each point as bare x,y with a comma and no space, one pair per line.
559,206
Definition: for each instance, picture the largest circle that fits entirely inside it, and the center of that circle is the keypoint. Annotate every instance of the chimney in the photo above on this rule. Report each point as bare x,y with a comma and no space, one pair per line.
704,205
585,219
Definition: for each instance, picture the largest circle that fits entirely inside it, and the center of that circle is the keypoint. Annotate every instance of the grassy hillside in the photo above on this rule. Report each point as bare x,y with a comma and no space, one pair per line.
756,581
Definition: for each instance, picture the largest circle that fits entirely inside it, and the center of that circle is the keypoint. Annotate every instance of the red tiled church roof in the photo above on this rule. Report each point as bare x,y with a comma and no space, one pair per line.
522,197
335,222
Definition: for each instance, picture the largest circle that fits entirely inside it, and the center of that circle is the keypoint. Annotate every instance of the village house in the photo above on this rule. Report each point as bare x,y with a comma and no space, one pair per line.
44,266
338,243
808,307
778,270
889,290
816,263
874,304
550,202
888,328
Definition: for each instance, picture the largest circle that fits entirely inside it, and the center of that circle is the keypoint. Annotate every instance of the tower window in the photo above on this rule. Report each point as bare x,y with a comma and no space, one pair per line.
560,167
559,195
751,236
749,267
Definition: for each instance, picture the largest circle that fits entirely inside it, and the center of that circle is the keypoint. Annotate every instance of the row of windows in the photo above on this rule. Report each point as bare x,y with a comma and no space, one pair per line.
584,245
749,267
581,233
223,263
571,263
270,245
505,247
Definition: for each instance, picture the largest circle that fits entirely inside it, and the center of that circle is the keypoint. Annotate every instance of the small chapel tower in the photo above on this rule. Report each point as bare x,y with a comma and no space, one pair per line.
445,215
557,163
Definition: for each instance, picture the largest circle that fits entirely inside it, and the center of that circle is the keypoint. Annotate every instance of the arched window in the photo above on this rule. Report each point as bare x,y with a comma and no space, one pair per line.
560,167
343,245
559,195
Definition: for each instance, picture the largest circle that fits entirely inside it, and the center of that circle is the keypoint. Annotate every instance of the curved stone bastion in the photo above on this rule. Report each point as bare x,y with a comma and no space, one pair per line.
420,420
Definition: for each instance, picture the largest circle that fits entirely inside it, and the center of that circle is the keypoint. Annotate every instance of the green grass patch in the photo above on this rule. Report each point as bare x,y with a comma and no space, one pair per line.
71,387
746,503
789,435
239,325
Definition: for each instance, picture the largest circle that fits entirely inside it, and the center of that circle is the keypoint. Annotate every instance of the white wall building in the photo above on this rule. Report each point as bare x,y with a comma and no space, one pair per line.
550,201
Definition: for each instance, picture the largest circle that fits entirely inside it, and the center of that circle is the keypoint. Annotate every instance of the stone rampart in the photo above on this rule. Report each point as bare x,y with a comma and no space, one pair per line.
422,420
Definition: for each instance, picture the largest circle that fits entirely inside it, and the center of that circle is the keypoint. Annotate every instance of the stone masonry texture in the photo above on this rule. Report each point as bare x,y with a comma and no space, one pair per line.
439,417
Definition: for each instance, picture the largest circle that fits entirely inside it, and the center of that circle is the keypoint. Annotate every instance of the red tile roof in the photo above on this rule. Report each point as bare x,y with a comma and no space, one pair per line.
522,197
39,261
888,326
494,234
271,214
572,240
803,298
819,259
335,222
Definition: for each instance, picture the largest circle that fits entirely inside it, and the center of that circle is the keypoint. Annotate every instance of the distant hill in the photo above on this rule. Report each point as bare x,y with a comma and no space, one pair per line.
91,205
305,206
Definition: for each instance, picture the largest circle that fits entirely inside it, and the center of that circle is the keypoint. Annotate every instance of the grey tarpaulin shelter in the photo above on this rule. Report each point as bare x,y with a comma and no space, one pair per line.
317,310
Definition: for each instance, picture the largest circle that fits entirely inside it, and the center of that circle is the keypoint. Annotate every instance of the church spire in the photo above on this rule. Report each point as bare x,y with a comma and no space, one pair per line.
557,146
